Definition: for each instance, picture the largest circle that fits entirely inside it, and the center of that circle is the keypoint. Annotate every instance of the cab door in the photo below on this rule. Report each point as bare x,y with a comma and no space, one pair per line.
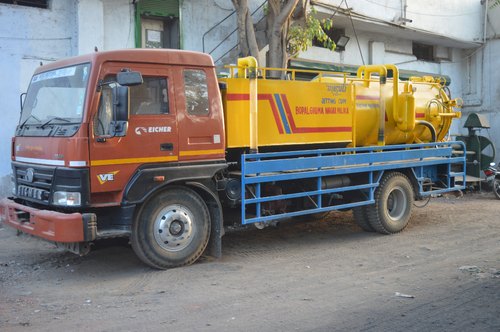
201,123
151,138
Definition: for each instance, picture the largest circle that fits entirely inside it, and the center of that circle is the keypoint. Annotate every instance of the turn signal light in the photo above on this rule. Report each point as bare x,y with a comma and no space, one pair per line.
159,178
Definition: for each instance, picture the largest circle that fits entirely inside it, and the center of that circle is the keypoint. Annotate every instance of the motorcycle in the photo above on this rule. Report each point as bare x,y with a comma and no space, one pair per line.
493,178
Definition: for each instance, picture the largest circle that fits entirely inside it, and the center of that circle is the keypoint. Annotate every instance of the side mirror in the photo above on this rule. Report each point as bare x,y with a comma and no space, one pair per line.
119,125
129,78
22,98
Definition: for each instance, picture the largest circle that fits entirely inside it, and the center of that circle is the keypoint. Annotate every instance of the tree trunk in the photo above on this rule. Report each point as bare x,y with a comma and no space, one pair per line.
278,17
251,39
241,7
277,49
246,31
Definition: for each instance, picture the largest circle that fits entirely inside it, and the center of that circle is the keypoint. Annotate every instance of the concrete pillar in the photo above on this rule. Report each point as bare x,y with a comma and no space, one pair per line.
376,53
90,21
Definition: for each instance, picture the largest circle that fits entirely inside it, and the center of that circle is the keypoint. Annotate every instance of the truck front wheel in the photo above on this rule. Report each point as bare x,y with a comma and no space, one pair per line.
393,204
172,229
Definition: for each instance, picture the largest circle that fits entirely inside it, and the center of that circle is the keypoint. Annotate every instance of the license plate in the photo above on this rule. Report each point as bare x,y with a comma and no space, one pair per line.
30,192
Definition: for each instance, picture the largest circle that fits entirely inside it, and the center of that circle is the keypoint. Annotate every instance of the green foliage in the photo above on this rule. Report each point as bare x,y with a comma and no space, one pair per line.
266,9
300,37
494,3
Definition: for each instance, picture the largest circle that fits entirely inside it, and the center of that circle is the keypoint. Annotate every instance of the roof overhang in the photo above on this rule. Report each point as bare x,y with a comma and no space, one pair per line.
353,69
371,25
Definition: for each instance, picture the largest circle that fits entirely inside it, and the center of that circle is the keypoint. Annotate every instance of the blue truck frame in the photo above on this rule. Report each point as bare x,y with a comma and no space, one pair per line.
433,168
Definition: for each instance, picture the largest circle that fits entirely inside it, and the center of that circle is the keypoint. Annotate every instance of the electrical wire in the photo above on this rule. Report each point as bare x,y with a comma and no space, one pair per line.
372,19
355,34
337,9
423,205
222,7
357,15
352,24
132,20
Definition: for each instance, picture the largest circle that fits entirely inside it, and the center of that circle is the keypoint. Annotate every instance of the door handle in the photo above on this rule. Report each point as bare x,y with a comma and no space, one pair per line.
166,147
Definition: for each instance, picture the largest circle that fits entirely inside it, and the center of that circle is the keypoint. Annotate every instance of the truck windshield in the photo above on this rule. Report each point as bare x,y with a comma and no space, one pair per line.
56,97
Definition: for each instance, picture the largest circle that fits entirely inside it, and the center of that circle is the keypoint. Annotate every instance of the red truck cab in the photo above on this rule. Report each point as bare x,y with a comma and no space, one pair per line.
88,152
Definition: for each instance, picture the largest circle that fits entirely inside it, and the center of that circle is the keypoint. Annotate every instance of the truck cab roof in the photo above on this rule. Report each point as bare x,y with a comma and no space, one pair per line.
156,56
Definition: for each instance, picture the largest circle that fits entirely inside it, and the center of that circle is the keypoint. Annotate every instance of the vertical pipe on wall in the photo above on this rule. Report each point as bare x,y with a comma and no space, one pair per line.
485,20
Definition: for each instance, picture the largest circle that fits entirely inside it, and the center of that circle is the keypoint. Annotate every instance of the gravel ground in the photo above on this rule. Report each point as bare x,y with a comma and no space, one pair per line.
440,274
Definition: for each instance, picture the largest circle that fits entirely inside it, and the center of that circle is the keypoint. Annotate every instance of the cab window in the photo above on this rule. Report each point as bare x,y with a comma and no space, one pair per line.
105,114
151,97
196,91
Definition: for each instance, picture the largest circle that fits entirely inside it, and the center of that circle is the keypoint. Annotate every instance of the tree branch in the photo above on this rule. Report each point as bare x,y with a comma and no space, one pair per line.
250,34
286,11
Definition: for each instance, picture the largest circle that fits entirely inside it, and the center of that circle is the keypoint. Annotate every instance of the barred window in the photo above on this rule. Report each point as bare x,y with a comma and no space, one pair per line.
29,3
423,52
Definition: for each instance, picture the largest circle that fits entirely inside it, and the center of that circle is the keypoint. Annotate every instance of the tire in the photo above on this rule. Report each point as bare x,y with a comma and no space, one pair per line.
496,188
361,218
172,229
393,204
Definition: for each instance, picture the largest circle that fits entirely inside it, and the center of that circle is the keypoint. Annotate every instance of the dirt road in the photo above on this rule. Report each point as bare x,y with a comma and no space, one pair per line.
440,274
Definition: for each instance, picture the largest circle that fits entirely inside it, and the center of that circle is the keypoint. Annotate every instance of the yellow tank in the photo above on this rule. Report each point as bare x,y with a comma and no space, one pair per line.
348,111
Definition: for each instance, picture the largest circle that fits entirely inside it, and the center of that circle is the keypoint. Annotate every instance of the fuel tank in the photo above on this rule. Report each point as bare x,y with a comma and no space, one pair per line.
368,109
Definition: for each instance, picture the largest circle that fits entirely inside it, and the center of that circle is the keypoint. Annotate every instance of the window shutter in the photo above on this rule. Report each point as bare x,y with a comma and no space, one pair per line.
160,8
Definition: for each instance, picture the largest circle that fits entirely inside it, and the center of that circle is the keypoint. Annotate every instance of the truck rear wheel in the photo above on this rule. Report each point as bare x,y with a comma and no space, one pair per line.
393,204
496,188
361,218
172,229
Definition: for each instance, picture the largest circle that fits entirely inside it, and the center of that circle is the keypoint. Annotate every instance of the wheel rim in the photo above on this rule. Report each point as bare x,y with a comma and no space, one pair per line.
396,204
173,228
496,187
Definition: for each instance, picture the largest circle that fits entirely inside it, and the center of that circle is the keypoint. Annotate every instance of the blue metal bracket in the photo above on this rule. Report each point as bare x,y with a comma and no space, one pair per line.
434,166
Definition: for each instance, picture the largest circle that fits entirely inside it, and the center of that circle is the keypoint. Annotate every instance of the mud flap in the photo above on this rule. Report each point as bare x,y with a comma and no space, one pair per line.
214,247
79,248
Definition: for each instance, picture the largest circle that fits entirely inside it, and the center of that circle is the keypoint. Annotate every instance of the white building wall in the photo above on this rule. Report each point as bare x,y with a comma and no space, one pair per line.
482,89
72,27
67,28
90,25
457,19
118,25
105,25
479,77
28,37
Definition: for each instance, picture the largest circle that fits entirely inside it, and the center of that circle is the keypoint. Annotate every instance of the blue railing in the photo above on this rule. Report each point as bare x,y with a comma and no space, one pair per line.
366,164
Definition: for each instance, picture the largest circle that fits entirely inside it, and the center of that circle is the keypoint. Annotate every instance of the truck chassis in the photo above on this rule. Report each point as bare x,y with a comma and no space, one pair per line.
428,169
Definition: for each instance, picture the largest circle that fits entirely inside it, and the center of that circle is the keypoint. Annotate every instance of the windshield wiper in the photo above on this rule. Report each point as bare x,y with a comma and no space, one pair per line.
29,117
54,118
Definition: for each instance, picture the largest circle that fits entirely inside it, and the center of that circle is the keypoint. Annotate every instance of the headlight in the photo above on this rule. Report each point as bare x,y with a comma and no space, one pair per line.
64,198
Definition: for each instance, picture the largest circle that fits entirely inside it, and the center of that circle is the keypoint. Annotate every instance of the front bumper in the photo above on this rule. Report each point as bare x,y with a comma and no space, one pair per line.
49,225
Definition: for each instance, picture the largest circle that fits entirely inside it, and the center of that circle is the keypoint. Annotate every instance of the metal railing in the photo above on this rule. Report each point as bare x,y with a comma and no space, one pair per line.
228,36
